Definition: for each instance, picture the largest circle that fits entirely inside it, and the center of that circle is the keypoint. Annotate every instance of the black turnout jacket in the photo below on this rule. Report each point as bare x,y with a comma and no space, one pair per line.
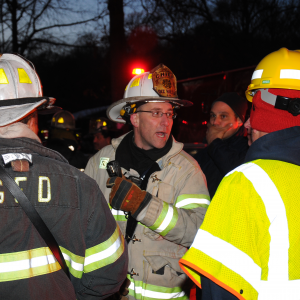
75,211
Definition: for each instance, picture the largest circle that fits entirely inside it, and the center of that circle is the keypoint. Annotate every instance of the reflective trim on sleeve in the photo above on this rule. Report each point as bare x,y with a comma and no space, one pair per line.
190,201
119,215
74,262
26,264
140,290
105,253
166,220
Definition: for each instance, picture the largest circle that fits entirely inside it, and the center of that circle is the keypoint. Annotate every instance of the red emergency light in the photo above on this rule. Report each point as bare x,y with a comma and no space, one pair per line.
138,71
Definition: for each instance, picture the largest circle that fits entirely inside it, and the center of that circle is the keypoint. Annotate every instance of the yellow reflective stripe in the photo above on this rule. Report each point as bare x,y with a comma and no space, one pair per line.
135,82
190,201
3,77
145,291
23,76
166,220
74,262
26,264
105,253
119,215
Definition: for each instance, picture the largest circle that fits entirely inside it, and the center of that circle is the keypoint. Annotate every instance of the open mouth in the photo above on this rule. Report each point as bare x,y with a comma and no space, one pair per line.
161,134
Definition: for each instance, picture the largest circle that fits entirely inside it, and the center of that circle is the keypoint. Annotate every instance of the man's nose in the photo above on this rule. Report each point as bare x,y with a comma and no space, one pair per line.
164,120
215,121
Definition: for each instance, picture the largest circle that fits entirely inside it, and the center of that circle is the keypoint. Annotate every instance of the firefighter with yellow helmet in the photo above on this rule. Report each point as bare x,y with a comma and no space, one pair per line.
248,245
83,248
160,213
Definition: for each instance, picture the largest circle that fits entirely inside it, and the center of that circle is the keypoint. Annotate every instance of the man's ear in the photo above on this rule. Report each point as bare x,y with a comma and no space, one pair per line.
134,119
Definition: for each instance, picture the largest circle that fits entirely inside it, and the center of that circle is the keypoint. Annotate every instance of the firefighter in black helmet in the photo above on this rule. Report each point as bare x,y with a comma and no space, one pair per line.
63,139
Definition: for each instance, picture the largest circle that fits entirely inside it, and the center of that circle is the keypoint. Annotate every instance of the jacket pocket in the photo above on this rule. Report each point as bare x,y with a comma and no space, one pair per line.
163,270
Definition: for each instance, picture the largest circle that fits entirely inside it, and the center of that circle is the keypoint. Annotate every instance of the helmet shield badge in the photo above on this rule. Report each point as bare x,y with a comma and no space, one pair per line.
164,81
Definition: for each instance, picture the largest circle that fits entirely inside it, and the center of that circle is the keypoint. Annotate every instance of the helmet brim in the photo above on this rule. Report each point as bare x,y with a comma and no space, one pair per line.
11,114
113,111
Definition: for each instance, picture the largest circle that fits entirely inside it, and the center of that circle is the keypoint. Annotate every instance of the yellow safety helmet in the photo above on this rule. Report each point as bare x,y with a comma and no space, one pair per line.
278,70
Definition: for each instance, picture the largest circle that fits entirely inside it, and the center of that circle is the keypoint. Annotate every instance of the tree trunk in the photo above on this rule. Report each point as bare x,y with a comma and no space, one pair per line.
117,49
14,25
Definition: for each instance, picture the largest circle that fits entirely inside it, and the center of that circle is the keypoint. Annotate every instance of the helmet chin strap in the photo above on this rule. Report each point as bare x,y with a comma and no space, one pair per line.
29,100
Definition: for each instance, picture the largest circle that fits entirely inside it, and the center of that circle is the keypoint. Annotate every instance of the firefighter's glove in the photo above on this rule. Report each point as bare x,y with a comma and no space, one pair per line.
127,196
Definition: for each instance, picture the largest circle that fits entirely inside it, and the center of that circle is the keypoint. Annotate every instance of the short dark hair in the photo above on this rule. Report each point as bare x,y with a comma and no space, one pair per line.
29,117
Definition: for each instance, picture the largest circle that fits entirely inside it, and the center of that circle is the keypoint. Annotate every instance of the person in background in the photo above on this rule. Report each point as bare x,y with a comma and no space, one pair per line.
227,144
69,202
248,245
102,132
62,138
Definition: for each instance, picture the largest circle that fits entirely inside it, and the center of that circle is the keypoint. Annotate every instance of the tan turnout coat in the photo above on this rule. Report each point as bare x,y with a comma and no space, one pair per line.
166,227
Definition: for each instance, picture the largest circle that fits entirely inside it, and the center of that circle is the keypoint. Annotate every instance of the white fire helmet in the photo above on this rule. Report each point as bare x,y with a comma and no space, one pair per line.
20,89
158,85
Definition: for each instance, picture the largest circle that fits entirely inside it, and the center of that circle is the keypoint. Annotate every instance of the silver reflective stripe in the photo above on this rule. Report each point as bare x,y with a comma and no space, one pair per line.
230,256
27,264
192,201
154,294
289,74
105,253
167,220
117,212
257,74
76,266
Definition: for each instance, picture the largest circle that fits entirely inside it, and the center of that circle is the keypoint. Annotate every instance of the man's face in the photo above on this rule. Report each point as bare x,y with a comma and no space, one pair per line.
151,132
100,141
221,115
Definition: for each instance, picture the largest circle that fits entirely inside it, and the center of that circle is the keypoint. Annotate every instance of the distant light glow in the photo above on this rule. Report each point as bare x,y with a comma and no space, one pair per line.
184,122
224,77
138,71
204,123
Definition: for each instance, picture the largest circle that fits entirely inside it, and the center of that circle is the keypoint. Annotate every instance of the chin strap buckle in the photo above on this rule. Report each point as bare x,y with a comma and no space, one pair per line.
133,273
133,239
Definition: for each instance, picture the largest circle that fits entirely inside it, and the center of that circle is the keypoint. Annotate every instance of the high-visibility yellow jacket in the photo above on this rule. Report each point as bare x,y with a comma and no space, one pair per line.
249,242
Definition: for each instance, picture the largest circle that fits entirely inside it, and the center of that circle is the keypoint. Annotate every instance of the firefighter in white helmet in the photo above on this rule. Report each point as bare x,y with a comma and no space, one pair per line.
36,264
248,245
159,215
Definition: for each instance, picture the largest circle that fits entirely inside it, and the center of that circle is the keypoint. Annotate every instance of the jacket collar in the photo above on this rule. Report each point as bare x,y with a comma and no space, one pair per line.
283,145
176,148
28,146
